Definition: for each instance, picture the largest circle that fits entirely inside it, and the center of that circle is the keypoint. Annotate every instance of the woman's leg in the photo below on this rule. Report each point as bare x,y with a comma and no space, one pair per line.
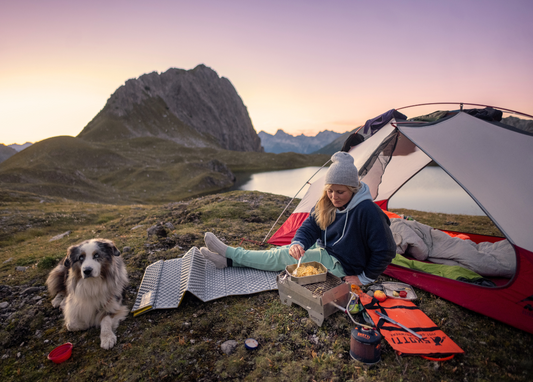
276,259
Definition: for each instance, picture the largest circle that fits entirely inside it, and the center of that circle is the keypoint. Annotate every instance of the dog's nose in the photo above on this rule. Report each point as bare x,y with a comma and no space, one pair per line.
87,271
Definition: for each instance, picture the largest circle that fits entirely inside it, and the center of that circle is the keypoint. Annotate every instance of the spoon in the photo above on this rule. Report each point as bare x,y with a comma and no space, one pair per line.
298,266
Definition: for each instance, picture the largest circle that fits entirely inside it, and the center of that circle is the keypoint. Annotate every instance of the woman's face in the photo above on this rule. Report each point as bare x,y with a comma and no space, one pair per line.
339,195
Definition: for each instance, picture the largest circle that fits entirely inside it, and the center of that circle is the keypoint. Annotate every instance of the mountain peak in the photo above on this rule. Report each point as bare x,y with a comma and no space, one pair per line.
196,108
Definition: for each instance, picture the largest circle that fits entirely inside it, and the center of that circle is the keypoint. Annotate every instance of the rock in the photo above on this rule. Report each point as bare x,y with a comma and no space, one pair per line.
157,230
229,346
30,290
60,236
170,226
137,226
4,304
21,269
207,108
8,260
126,249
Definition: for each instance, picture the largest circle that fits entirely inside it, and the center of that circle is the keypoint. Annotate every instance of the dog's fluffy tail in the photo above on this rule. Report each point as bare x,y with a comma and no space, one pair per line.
56,281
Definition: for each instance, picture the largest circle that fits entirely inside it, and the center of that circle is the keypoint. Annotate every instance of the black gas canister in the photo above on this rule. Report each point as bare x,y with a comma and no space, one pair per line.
365,345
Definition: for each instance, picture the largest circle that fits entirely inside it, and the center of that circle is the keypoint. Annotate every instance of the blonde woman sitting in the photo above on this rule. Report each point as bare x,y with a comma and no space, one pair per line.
345,231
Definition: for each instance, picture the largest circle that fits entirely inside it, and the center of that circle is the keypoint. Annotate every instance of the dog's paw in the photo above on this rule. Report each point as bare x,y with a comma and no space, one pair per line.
108,340
58,299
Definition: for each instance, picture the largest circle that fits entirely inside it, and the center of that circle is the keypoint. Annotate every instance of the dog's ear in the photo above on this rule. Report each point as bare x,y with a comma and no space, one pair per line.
109,247
73,254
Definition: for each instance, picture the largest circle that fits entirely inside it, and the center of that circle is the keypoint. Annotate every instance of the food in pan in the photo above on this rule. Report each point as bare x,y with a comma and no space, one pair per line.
307,270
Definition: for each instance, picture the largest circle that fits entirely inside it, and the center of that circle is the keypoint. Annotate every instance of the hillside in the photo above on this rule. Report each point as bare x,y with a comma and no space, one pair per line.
137,170
195,108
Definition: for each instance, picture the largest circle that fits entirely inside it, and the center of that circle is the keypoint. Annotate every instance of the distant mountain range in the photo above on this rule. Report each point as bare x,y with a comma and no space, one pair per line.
282,142
20,147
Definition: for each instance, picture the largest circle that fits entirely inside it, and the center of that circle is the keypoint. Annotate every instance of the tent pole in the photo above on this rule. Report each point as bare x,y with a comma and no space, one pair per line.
288,204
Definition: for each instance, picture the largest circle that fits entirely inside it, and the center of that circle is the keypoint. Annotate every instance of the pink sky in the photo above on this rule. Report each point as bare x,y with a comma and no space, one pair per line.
302,66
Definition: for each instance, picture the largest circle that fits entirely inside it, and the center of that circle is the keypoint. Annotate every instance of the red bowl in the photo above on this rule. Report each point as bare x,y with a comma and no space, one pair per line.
61,353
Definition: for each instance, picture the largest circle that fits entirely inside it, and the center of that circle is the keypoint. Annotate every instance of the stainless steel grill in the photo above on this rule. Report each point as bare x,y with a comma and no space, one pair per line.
318,298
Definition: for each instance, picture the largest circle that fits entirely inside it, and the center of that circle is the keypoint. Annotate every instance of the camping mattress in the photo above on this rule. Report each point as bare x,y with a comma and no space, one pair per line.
165,282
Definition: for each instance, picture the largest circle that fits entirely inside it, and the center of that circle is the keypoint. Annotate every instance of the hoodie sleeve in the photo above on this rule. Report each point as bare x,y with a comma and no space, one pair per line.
308,233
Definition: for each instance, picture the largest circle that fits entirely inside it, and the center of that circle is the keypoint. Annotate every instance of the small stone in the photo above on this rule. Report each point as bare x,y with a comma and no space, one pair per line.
8,260
169,225
5,356
229,346
60,236
4,304
30,290
21,269
18,355
126,249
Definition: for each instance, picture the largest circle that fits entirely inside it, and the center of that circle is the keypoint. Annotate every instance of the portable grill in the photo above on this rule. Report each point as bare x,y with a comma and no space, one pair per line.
320,299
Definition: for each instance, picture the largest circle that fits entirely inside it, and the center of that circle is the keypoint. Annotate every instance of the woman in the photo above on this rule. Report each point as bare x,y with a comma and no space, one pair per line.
346,232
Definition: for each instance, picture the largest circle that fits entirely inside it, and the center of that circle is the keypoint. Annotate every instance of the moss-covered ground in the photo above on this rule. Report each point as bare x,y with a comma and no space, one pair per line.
184,343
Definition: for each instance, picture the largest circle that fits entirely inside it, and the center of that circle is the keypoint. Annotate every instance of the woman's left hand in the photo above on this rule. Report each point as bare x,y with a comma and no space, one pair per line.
352,280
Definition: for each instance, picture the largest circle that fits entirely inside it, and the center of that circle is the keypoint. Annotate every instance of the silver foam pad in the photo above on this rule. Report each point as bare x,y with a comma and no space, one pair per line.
165,282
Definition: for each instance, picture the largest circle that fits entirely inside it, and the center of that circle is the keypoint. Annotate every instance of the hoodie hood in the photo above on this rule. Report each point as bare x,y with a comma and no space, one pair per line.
362,194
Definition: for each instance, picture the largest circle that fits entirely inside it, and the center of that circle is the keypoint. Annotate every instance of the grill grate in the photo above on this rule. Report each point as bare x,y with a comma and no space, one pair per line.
318,289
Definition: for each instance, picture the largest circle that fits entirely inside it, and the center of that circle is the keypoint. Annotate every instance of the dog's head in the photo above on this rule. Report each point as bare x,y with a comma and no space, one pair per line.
91,257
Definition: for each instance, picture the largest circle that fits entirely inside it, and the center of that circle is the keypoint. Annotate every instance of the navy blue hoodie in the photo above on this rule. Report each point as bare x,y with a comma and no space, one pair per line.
359,237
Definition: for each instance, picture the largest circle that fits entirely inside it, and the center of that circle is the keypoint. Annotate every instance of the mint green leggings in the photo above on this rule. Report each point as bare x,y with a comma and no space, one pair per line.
276,259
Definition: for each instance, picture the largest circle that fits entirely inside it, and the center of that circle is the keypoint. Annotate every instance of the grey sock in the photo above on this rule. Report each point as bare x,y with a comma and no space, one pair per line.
219,261
214,244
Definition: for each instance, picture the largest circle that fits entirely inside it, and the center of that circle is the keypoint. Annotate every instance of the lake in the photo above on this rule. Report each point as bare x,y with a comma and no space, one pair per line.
430,190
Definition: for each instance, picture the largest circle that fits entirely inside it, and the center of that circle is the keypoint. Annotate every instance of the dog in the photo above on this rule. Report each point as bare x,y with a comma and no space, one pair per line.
88,285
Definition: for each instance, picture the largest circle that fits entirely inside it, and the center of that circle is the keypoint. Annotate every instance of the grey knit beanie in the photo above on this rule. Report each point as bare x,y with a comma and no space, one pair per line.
342,170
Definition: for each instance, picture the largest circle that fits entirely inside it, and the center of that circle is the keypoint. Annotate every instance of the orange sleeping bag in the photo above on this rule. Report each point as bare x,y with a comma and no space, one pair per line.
435,344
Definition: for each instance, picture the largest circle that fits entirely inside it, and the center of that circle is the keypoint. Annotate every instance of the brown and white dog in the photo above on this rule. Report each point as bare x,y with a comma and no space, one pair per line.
88,285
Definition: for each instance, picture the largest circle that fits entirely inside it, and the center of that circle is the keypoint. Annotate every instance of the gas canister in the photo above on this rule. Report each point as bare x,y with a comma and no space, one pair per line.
365,345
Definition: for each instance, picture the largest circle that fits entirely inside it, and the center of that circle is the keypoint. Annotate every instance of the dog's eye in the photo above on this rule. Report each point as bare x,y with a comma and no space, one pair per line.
96,255
82,258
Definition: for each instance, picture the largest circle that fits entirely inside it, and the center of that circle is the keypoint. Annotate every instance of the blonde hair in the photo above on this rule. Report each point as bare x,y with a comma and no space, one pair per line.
325,211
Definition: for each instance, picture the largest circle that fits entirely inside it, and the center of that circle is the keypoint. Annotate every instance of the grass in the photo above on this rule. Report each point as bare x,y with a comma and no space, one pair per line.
184,343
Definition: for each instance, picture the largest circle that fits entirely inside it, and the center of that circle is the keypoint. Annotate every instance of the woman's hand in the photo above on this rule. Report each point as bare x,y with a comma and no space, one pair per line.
296,251
352,280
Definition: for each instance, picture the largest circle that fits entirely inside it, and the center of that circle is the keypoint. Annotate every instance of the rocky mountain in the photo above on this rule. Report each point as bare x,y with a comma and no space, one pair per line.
194,108
282,142
6,152
335,145
519,123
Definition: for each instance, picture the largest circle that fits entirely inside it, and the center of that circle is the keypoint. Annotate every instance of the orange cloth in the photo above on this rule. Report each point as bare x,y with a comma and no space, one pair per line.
434,341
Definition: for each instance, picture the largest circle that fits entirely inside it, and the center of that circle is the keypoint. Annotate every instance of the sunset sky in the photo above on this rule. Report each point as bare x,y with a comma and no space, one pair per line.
299,65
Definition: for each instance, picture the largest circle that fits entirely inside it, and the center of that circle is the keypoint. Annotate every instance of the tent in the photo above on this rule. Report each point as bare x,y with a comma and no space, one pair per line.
491,161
